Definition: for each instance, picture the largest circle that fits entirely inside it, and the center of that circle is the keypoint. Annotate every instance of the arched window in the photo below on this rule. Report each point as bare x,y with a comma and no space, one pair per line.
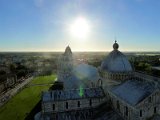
90,102
150,99
78,104
140,114
100,82
155,110
126,111
118,105
66,105
53,106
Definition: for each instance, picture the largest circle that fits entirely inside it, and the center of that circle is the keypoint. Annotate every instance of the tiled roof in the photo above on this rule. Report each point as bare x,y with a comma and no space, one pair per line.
134,91
72,94
116,62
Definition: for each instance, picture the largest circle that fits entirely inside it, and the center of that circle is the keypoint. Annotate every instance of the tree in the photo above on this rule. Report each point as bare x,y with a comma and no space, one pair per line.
12,68
2,72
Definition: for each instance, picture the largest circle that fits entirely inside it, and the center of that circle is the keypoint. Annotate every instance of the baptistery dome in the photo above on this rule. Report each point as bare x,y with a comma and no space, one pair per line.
116,61
116,68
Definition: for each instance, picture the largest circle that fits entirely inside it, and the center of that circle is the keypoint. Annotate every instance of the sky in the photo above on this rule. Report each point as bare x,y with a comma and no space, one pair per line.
44,25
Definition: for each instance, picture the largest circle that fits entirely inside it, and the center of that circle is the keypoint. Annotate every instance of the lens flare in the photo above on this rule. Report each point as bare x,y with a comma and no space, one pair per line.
81,91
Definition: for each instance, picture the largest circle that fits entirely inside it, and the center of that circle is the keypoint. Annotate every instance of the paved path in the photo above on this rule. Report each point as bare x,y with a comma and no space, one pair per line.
44,84
9,94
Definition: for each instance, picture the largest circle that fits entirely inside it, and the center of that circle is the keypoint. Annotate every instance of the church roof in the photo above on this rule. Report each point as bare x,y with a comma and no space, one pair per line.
73,94
134,91
68,50
116,61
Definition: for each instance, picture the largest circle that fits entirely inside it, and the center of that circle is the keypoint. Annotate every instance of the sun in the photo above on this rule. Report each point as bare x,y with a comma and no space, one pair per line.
80,28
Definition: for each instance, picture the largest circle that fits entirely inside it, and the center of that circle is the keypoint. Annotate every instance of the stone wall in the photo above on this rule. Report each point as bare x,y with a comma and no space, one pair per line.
144,110
150,106
118,76
61,106
123,109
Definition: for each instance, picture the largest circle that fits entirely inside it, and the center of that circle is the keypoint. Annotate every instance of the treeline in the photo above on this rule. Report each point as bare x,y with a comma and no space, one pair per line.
142,63
145,63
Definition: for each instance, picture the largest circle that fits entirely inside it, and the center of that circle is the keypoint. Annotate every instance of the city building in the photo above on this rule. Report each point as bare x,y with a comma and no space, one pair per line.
7,79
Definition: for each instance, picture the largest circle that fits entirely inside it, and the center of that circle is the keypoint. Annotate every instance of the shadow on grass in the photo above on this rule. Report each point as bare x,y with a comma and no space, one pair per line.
34,111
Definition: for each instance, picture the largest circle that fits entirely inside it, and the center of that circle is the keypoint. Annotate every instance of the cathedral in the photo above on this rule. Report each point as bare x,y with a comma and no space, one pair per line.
113,91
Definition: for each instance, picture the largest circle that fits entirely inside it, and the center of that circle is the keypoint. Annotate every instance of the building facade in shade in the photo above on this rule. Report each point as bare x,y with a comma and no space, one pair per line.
72,104
65,64
119,93
7,79
74,75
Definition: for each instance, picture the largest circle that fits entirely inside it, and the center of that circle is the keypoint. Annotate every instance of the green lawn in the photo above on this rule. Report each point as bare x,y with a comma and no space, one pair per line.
43,79
22,103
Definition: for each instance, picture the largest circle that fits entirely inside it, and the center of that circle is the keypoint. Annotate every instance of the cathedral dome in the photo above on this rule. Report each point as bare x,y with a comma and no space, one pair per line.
116,61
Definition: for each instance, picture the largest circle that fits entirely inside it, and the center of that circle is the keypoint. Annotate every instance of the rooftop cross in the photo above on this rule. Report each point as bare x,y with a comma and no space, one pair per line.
115,39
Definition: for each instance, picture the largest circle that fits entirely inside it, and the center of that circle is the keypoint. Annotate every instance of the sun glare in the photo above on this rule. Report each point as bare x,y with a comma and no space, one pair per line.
80,28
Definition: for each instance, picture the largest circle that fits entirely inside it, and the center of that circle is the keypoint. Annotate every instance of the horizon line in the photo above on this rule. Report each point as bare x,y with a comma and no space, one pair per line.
77,51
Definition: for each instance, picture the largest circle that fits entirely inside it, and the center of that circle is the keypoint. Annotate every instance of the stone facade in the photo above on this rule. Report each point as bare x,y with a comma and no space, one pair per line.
62,103
68,105
112,79
142,111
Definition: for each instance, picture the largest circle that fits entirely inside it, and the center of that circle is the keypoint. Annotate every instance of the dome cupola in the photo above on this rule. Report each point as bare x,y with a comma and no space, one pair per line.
115,45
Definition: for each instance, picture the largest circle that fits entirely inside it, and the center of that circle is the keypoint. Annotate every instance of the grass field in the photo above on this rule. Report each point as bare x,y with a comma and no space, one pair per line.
22,103
43,79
